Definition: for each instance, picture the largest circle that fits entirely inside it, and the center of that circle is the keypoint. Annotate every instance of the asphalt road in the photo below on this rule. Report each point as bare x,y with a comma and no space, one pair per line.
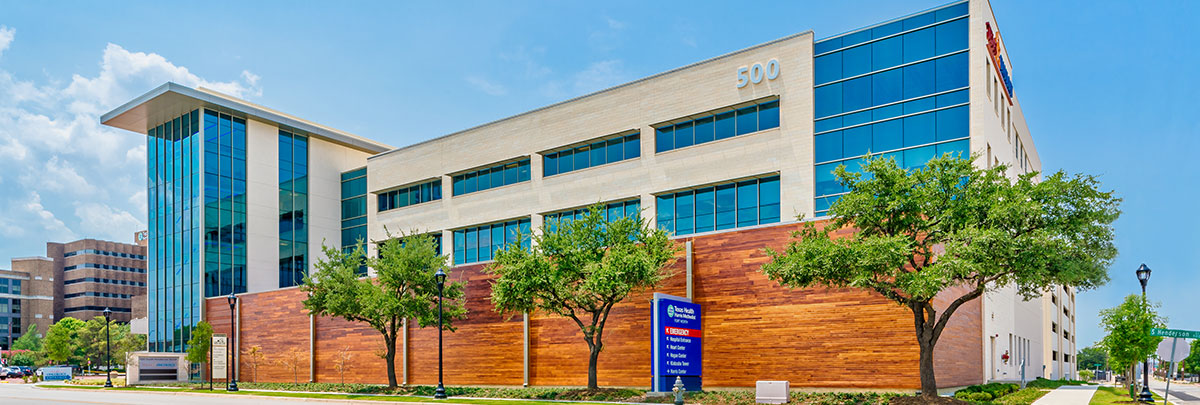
1180,393
20,394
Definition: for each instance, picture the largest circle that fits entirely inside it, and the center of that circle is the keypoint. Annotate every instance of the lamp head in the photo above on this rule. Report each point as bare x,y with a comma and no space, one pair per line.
232,299
440,276
107,312
1143,274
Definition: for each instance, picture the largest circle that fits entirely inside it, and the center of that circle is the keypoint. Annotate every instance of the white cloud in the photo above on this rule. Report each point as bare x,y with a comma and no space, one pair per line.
486,86
65,176
527,60
600,75
6,37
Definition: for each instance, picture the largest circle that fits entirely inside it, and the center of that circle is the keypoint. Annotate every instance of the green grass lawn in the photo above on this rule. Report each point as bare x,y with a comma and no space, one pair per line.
1022,397
359,397
1116,395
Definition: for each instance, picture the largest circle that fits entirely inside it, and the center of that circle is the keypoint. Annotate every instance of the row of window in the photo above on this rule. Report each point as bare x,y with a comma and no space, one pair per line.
104,281
478,244
611,212
98,294
942,74
412,195
104,253
594,154
828,188
293,207
894,51
10,286
885,30
893,110
104,267
914,130
354,207
5,308
723,206
97,308
717,125
492,177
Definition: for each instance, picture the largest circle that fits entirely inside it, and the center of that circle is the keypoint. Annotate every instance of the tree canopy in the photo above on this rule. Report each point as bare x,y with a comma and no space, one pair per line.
580,269
29,340
403,288
1092,357
60,345
200,344
917,233
1191,364
1127,327
93,341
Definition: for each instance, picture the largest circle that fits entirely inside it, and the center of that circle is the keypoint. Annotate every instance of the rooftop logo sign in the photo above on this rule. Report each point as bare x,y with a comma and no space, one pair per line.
993,46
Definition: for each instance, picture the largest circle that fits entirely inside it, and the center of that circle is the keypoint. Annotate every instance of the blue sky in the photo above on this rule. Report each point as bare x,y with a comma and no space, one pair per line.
1108,88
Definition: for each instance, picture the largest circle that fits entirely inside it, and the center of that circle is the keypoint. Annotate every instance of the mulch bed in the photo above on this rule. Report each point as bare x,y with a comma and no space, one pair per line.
922,401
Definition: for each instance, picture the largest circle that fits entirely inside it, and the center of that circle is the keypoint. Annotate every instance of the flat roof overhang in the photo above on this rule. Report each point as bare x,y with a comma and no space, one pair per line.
172,100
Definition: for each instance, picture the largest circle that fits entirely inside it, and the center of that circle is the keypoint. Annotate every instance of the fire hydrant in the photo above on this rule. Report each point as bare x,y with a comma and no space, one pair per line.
678,389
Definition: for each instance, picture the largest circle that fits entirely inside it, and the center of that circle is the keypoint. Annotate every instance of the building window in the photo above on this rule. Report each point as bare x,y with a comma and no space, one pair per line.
412,195
479,243
611,212
1054,327
1054,355
354,211
723,206
716,125
293,208
492,177
595,153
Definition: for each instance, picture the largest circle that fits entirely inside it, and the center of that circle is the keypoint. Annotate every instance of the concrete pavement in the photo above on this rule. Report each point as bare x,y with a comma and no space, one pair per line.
1180,393
1068,395
21,394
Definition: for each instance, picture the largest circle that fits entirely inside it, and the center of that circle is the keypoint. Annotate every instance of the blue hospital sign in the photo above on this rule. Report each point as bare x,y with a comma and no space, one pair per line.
677,336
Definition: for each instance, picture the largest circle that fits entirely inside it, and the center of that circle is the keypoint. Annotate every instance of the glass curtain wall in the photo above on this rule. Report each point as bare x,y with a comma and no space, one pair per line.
175,269
898,89
354,211
293,207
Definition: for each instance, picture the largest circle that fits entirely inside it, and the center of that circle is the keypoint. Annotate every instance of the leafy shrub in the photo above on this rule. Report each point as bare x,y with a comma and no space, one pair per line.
979,396
1052,384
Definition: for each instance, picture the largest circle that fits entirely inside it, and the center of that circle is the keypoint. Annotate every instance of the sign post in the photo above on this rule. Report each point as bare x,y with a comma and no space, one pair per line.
219,359
1174,334
677,334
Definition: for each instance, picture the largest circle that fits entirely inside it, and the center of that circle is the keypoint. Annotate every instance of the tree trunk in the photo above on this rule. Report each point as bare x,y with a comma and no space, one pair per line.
928,380
925,341
592,360
390,358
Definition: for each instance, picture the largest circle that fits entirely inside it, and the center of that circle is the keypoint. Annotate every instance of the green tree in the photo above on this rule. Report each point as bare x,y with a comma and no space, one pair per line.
917,233
23,358
29,340
199,345
1128,339
404,288
1093,357
1191,363
580,270
61,343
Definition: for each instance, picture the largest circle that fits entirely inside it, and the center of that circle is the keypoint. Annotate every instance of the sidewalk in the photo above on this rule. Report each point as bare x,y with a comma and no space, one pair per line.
1068,395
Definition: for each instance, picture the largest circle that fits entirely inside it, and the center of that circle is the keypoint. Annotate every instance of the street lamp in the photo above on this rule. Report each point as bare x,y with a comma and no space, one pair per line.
440,276
108,349
1143,275
233,369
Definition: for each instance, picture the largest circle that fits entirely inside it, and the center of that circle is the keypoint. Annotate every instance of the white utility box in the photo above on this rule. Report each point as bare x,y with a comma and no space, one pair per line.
771,392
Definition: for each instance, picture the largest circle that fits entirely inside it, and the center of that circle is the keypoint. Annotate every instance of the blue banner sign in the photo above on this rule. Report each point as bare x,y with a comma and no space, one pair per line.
56,373
677,337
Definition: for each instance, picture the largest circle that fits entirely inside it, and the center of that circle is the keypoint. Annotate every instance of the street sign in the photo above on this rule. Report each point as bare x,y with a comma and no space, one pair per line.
677,335
219,353
1175,333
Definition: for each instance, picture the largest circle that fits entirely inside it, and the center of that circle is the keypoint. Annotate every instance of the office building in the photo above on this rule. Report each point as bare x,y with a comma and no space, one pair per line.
724,153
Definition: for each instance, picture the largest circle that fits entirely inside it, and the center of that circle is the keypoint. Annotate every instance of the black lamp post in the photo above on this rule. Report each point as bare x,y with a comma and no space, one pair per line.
233,366
440,276
107,349
1143,275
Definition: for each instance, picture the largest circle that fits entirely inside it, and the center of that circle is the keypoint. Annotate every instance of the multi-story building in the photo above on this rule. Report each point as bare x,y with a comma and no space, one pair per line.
97,274
26,299
724,153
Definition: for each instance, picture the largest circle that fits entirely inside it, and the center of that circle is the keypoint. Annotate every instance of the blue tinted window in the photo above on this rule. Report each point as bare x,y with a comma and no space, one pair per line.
598,156
857,141
768,200
499,175
828,68
918,129
918,79
861,117
415,194
594,154
828,146
887,135
613,151
684,135
664,139
947,13
883,113
725,125
704,130
827,45
856,94
950,37
828,124
951,72
726,206
918,45
550,164
566,161
856,38
949,99
684,213
633,146
887,53
768,115
747,120
955,149
856,61
887,29
916,106
887,87
665,212
953,123
827,182
918,21
747,203
828,100
705,210
916,158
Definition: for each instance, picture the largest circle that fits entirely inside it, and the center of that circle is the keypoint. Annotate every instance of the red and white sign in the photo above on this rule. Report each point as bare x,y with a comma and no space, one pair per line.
673,331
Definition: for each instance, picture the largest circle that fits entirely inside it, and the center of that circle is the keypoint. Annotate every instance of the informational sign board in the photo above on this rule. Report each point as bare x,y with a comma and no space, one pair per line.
220,355
158,363
677,342
56,373
1175,333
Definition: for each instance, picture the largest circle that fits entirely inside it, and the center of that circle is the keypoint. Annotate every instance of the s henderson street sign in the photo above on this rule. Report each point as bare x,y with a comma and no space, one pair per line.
1175,333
